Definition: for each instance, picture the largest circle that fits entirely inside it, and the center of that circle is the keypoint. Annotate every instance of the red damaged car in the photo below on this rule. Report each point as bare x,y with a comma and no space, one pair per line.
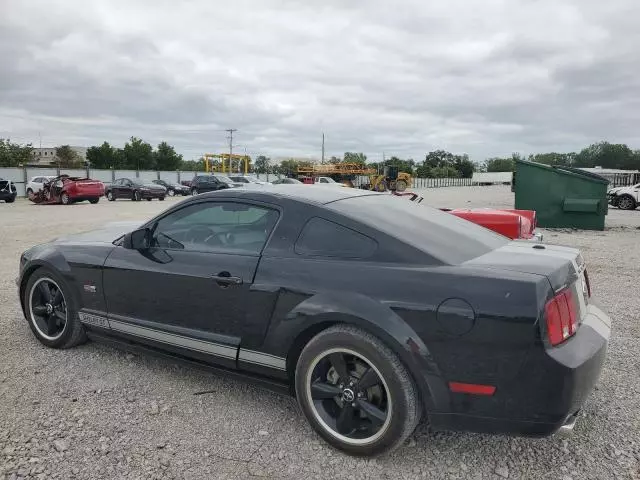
515,224
67,190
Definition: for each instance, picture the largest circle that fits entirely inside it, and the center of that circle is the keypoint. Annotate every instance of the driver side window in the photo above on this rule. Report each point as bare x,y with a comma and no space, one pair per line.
216,226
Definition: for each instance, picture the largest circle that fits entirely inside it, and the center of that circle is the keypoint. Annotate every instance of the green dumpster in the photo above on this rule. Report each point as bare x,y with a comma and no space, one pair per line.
561,196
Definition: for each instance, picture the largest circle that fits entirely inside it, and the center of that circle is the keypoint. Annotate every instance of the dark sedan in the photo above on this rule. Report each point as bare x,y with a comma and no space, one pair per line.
173,188
134,190
358,303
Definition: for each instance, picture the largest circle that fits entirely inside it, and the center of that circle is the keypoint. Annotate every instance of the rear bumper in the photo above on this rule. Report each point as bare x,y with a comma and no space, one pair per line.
550,390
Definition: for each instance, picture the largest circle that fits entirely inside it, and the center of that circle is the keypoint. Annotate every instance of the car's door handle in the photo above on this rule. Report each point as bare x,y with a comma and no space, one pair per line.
226,279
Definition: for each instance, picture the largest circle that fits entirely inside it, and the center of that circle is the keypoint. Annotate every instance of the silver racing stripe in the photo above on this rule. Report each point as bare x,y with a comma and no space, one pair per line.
174,339
263,359
189,343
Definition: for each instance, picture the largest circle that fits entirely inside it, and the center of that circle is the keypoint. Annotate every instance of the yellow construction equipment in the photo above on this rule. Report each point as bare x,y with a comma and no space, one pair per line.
225,157
381,183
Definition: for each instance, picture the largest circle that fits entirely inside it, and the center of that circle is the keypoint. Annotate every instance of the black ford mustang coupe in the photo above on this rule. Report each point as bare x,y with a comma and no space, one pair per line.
374,311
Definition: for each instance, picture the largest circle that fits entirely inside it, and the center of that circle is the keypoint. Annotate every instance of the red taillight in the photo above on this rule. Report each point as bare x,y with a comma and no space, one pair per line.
472,388
561,316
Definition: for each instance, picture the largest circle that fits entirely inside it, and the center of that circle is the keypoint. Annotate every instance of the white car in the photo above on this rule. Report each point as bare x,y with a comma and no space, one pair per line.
328,181
625,198
35,184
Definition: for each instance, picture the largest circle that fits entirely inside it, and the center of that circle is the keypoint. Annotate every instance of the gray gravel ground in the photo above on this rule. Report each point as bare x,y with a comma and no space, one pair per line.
96,412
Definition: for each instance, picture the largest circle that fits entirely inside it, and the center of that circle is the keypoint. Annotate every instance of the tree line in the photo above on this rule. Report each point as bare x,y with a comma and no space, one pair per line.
601,154
137,154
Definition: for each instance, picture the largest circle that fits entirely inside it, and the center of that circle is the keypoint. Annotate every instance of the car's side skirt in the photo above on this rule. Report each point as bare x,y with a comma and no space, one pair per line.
218,349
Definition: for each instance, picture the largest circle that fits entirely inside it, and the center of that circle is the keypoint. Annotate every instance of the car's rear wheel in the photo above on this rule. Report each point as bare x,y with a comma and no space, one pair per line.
161,199
51,310
626,202
29,193
64,198
136,196
149,199
355,392
401,185
94,200
171,193
10,199
194,191
111,197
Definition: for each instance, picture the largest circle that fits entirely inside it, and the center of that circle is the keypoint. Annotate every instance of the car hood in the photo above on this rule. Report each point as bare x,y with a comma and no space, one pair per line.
105,234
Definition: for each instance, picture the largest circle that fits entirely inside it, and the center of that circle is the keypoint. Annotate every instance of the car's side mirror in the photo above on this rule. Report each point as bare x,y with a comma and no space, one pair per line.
138,239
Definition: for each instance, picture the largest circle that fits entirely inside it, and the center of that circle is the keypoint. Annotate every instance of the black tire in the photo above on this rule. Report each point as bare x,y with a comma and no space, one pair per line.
194,191
171,192
10,199
72,332
148,199
161,199
627,202
65,199
94,200
29,192
136,196
110,196
402,411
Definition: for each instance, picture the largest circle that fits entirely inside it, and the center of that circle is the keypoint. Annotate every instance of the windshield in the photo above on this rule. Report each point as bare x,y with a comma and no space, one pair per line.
225,180
327,180
439,234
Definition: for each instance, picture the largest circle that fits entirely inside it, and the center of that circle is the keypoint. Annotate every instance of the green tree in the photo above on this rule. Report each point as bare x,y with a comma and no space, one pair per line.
289,167
193,165
497,164
445,171
335,160
352,157
138,155
553,158
67,157
14,154
608,155
463,166
104,156
261,165
166,157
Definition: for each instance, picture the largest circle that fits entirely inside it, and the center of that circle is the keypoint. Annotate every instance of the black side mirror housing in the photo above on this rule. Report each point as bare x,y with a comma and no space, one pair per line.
138,239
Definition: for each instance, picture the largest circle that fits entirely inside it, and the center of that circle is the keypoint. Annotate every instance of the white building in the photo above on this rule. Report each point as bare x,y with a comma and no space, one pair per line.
47,155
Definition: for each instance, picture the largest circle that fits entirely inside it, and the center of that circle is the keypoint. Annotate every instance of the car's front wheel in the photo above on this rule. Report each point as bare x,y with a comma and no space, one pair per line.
171,193
110,196
65,199
626,202
355,392
194,191
94,200
51,310
136,196
161,199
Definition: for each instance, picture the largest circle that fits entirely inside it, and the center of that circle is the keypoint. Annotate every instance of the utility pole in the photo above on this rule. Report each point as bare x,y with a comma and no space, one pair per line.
322,161
230,130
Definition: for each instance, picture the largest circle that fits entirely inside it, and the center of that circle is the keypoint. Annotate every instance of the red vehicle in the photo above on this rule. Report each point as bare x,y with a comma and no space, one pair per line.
67,190
515,224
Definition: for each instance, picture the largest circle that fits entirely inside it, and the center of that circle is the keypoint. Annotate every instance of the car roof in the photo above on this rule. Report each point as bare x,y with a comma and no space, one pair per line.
302,193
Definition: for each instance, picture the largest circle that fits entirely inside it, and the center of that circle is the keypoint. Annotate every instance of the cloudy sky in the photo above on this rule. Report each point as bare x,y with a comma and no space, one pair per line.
484,78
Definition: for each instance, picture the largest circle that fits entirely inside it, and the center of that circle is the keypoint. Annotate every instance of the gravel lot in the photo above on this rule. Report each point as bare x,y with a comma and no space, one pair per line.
96,412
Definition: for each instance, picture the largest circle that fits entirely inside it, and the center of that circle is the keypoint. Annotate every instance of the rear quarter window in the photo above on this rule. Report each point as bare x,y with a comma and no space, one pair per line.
323,238
441,235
